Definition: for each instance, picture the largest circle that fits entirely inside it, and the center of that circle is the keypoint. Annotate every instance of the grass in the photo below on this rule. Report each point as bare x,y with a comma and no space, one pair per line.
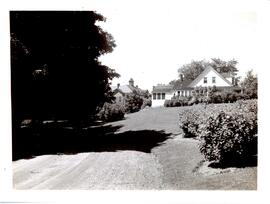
165,119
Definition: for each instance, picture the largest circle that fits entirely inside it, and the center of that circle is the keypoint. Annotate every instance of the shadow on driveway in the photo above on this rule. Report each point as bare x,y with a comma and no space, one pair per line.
57,139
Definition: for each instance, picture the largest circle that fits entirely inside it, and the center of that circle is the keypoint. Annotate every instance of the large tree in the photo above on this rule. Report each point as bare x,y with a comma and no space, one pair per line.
191,70
55,72
250,84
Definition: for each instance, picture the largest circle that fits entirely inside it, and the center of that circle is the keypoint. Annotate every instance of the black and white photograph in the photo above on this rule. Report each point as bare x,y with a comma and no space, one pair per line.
135,96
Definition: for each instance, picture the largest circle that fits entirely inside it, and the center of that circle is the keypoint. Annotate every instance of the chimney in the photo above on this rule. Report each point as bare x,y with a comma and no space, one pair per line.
118,86
181,77
131,82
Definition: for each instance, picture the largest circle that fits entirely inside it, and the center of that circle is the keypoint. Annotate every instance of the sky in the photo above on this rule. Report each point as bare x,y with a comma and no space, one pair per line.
155,38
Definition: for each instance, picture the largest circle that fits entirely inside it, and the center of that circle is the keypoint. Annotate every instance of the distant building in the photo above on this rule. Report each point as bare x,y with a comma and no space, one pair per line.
121,91
184,88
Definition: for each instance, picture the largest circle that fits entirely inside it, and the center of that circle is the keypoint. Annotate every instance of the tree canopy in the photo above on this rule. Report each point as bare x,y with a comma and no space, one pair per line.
55,72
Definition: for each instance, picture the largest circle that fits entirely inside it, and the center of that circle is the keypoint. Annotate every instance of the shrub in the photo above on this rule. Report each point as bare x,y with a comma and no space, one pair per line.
189,123
111,112
176,102
216,98
226,131
228,137
167,103
133,102
223,96
147,102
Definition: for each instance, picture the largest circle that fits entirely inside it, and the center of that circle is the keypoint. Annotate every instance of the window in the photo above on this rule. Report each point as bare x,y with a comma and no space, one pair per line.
158,96
154,96
182,93
120,99
163,95
178,92
213,80
205,80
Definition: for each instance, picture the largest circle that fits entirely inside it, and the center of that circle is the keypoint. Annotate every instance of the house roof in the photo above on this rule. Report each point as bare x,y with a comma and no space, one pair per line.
118,91
182,84
208,69
226,74
162,88
124,88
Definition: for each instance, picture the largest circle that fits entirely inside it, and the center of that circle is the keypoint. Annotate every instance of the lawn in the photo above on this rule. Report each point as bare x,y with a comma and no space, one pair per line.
161,118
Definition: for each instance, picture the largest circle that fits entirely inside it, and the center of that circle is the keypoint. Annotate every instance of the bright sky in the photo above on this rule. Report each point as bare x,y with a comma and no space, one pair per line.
155,38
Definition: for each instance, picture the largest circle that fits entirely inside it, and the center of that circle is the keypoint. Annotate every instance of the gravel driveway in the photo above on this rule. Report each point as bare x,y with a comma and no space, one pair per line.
107,170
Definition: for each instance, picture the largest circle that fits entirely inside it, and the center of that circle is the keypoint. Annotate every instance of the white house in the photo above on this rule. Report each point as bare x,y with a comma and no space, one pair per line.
161,93
209,77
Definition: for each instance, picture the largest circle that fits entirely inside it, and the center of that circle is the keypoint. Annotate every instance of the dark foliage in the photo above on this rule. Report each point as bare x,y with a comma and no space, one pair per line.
176,102
54,64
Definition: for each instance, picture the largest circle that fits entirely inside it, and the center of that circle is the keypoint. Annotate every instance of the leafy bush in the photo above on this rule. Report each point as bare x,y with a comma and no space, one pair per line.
216,98
225,130
176,102
167,103
133,102
111,112
228,137
189,124
147,102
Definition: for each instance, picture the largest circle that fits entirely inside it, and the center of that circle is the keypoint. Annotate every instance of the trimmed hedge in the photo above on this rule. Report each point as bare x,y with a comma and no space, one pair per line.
176,102
213,96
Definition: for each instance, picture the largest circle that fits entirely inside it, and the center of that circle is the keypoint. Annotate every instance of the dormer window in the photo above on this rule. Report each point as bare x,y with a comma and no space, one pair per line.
213,80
